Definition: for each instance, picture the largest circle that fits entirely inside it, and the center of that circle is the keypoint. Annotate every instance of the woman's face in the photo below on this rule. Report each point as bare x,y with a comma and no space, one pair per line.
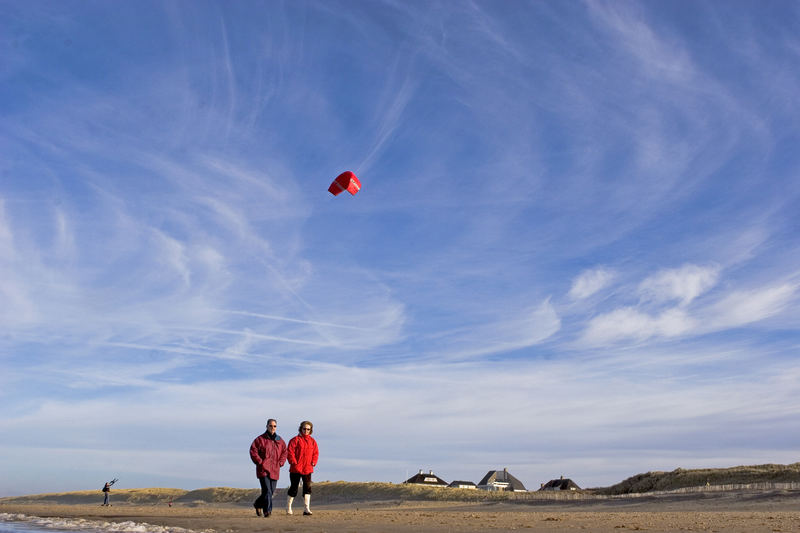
305,429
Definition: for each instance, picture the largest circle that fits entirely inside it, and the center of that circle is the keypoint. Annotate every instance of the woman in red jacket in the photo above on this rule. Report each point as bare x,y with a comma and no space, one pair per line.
302,457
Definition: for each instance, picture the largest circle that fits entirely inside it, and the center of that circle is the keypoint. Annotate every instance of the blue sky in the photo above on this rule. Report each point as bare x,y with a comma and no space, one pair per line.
575,251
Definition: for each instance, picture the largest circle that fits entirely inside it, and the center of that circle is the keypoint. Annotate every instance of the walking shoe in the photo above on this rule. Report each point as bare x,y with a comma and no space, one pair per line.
307,513
258,511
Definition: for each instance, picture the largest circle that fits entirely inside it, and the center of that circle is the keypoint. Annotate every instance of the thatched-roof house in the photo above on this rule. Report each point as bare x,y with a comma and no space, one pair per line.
429,479
560,484
501,480
462,485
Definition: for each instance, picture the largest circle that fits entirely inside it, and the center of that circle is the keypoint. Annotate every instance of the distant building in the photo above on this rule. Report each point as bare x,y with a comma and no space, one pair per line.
462,485
560,484
501,480
429,479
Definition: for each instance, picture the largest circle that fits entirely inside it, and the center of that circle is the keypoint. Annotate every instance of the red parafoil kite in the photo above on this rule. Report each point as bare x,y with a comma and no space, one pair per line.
346,181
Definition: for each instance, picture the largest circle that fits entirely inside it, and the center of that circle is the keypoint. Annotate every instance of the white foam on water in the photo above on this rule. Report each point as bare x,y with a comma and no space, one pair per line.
95,526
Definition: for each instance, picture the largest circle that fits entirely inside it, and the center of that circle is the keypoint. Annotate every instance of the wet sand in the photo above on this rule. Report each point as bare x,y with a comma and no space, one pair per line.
724,513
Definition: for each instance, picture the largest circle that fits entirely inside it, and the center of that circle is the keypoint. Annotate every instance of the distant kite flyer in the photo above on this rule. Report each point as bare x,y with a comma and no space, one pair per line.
106,490
346,181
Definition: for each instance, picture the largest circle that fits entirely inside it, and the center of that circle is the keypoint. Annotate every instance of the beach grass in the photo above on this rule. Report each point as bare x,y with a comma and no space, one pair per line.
326,491
334,492
683,478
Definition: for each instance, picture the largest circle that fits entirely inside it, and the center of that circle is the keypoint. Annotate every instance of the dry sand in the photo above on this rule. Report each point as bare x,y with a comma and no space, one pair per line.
724,512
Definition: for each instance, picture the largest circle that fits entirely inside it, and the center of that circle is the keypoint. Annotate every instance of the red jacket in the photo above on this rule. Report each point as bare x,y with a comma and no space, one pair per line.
269,455
303,454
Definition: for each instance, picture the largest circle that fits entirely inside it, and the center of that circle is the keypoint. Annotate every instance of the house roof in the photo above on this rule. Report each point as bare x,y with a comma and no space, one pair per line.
502,476
426,479
560,484
457,483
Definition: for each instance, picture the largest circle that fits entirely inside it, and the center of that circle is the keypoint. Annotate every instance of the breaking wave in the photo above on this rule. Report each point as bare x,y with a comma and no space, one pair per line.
21,523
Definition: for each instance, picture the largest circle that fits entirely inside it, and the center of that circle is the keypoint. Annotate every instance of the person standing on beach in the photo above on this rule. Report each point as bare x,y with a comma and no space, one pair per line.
268,452
303,455
106,490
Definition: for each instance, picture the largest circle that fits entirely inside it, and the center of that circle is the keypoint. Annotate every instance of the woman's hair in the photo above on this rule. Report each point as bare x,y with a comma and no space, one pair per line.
306,423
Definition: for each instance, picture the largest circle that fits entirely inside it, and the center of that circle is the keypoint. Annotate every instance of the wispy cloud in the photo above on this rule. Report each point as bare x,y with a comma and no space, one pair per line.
18,308
390,114
658,54
683,284
629,323
666,411
494,333
590,282
740,308
731,310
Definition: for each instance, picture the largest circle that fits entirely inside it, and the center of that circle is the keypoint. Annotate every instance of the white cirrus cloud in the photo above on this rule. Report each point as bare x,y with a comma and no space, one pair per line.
683,284
515,330
747,307
16,287
535,325
629,323
658,54
590,282
734,310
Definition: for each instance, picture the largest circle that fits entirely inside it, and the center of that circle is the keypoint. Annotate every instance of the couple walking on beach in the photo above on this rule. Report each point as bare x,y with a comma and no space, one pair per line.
269,453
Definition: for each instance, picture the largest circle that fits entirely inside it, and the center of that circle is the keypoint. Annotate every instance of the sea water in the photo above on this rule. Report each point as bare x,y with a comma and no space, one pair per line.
20,523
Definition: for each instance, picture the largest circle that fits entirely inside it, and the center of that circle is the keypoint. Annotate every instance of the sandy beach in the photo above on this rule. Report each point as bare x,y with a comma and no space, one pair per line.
728,512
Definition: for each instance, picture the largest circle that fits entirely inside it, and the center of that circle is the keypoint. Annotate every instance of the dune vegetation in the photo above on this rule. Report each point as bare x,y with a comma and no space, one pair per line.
682,478
324,492
345,491
150,496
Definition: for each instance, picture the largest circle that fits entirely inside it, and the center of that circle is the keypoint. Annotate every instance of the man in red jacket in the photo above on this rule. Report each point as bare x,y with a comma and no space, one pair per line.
268,452
303,455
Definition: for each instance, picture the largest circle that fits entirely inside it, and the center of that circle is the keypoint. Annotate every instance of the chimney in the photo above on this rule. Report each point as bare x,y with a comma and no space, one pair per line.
431,472
420,470
562,477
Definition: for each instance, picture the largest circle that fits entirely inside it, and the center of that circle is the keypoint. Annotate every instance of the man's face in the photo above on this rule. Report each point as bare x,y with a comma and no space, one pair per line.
272,427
